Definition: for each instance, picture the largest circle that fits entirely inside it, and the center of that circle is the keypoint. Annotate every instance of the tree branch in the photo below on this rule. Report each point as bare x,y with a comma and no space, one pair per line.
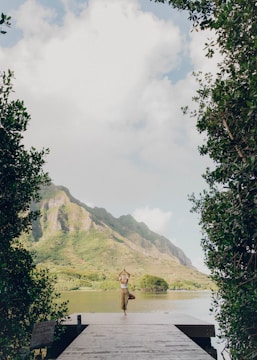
239,151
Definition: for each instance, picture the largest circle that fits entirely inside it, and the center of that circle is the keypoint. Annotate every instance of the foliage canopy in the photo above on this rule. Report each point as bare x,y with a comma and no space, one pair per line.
27,294
227,108
152,283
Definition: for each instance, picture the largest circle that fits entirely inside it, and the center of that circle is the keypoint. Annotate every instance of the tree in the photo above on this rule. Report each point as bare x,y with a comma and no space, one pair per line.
227,105
27,294
152,283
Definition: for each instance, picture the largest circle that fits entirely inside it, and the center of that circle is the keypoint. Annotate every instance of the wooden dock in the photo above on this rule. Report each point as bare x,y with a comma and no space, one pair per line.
140,336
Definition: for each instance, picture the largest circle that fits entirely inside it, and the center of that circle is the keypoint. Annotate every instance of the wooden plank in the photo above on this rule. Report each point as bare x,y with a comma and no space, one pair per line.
191,326
173,318
112,336
131,342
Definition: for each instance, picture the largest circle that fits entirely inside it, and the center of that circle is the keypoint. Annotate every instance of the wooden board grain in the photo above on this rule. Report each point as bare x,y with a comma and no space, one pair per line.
132,337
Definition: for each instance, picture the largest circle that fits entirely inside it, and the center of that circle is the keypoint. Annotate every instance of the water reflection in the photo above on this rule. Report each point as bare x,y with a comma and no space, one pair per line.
189,302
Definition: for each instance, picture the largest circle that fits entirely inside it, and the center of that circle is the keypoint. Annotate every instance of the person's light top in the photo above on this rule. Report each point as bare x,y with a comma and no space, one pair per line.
124,286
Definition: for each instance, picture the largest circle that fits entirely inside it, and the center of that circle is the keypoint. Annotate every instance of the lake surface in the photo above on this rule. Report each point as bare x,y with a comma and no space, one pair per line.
190,302
194,303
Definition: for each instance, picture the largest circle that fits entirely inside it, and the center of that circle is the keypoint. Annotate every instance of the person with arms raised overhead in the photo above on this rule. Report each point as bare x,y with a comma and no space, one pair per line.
124,279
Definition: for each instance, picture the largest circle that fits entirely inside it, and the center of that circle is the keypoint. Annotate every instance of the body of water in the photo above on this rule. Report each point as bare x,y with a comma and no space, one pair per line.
193,303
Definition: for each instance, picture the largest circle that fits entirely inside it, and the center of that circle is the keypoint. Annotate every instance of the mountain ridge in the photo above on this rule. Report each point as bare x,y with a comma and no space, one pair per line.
87,247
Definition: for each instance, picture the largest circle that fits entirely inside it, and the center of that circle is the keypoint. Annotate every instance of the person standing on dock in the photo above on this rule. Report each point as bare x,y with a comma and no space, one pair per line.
124,279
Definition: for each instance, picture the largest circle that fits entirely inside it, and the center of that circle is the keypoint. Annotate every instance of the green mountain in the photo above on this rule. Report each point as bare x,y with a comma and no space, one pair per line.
88,247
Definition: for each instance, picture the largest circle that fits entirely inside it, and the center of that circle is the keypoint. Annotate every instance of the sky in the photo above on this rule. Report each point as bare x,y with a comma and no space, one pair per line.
104,82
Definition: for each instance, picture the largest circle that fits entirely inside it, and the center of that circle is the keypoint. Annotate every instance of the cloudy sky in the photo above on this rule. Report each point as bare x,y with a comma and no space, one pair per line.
104,81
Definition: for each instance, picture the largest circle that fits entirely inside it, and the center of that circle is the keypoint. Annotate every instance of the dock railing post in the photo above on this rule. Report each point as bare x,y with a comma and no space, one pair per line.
78,323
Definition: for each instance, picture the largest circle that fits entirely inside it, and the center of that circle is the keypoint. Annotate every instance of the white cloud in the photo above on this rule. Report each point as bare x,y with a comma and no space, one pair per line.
198,51
99,88
34,20
157,220
96,92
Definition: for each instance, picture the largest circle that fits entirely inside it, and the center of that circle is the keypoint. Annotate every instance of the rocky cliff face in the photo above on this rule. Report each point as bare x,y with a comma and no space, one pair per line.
60,214
76,240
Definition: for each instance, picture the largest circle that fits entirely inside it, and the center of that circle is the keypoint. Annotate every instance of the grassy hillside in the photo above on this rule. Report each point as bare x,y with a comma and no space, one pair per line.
87,248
